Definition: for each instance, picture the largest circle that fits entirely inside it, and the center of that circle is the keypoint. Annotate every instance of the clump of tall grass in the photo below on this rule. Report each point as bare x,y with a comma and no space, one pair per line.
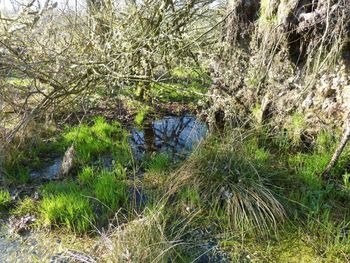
226,173
26,206
15,173
5,198
66,205
54,188
76,205
109,191
143,239
158,163
100,138
72,211
86,176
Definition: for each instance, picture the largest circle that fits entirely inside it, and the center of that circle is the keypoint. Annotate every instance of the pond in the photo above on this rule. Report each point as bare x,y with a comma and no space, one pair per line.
173,135
176,136
47,172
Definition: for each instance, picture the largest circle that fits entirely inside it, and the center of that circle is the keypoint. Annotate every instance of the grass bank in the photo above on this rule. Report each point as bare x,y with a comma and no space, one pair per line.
245,195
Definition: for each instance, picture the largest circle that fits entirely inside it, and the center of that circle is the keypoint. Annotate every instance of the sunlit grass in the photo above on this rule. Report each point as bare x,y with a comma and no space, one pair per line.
5,198
54,188
177,92
26,206
110,191
141,115
65,204
228,181
76,205
146,238
21,82
70,210
93,141
87,176
241,185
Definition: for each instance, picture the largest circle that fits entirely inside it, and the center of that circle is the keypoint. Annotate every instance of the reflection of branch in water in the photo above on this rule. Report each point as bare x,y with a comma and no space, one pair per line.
137,137
170,134
138,141
149,139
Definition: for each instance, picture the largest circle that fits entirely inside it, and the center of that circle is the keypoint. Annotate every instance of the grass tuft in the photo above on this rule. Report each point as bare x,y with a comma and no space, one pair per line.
143,239
17,174
100,138
110,191
158,163
26,206
71,204
70,210
5,198
226,173
87,176
54,188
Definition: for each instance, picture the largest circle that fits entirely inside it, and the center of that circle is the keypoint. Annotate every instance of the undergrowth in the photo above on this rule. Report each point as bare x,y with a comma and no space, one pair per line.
26,206
77,205
146,238
230,185
98,139
265,200
258,193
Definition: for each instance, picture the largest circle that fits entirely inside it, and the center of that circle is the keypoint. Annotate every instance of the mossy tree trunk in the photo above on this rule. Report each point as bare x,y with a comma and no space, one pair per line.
292,51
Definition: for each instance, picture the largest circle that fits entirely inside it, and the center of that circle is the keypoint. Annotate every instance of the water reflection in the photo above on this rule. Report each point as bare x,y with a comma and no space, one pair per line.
48,172
174,135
